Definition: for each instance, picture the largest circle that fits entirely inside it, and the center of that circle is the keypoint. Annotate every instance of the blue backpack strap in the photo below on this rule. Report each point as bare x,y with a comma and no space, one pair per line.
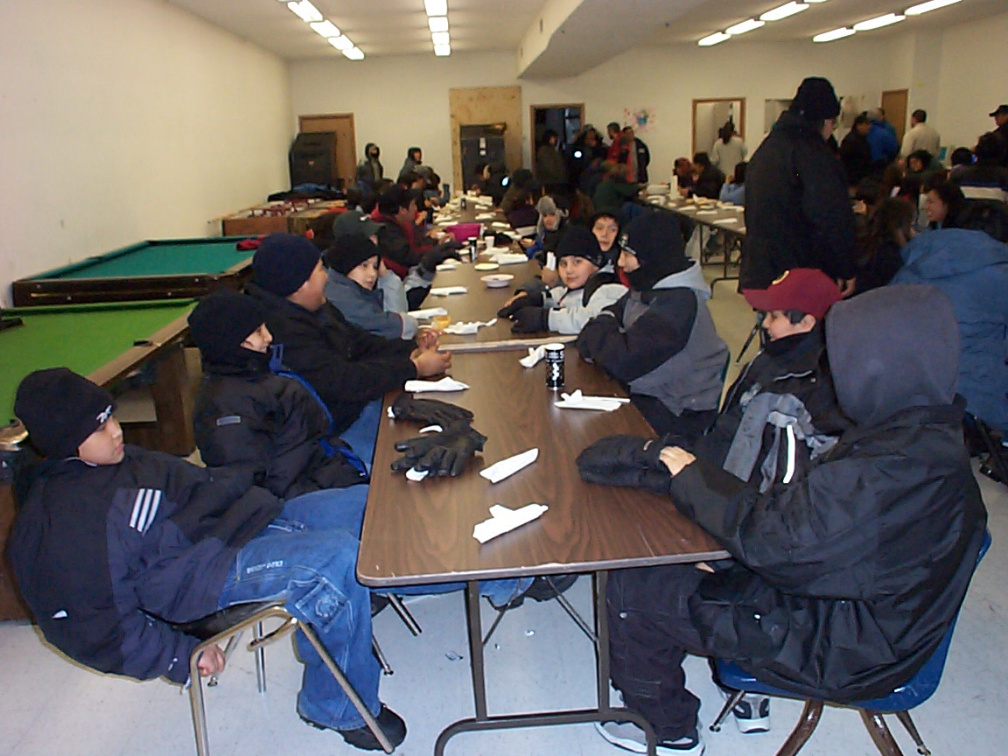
277,367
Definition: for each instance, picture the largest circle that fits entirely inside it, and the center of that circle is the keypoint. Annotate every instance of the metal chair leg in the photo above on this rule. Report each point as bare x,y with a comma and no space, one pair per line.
260,659
803,730
904,718
404,614
730,704
386,668
880,734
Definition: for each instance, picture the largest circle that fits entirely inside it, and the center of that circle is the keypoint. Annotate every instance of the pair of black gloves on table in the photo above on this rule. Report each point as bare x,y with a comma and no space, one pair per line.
528,313
443,453
625,461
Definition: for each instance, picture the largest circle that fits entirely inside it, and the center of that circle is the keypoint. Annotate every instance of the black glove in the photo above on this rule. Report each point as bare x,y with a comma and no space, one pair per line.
434,257
428,411
534,292
444,453
625,461
530,320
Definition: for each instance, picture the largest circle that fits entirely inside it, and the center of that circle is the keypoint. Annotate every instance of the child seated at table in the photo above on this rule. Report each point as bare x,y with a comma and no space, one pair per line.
606,227
659,339
844,579
114,545
588,286
552,224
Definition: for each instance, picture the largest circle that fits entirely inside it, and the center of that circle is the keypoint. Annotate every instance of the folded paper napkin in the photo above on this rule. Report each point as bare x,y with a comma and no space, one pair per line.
503,520
485,216
500,224
467,329
508,258
726,221
686,208
428,313
448,265
445,384
444,291
534,356
526,230
706,212
500,470
578,401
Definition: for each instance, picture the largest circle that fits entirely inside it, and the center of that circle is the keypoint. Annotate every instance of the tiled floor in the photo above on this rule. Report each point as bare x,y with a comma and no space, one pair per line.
536,659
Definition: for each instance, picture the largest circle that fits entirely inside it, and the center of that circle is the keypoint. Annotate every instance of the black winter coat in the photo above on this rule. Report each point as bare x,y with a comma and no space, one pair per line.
271,426
846,581
347,366
797,212
100,551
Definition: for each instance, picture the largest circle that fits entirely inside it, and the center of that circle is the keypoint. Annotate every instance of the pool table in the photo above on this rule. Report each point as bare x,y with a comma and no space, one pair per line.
158,269
105,342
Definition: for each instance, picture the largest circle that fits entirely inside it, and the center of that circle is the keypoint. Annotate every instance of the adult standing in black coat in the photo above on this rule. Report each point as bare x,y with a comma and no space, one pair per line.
797,212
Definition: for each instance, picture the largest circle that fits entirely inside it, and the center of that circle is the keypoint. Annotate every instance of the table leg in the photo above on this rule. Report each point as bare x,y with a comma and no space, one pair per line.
603,712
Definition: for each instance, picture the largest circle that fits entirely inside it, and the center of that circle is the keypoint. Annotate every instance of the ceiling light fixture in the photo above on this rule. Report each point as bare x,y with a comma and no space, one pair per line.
442,50
440,38
834,34
745,26
341,43
878,22
714,39
784,11
325,29
354,54
916,10
436,7
305,11
438,23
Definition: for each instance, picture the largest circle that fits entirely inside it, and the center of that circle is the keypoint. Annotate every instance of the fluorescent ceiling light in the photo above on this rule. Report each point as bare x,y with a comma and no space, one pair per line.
354,54
436,7
325,29
713,39
783,11
305,11
878,22
341,43
438,23
916,10
831,35
745,26
442,50
441,38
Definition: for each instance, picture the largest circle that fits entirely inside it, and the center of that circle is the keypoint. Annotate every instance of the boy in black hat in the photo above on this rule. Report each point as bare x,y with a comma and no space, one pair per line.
349,368
659,338
589,286
114,544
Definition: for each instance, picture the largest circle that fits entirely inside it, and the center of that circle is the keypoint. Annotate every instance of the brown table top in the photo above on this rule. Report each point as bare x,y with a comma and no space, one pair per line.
421,532
709,213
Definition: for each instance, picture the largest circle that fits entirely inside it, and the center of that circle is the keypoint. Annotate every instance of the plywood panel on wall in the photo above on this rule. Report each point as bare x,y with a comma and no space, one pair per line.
482,105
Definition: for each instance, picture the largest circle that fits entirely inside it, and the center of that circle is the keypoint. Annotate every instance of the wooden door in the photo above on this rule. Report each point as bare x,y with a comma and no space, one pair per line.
894,103
482,105
342,125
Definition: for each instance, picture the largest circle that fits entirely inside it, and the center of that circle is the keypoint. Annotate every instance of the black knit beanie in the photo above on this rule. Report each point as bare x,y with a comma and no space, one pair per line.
815,100
283,262
578,241
60,409
348,252
221,322
655,240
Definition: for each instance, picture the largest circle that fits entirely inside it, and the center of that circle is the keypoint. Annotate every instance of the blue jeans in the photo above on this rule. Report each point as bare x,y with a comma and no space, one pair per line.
308,557
361,435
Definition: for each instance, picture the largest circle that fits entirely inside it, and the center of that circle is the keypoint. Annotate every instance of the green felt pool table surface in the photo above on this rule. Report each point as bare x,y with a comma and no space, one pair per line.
84,338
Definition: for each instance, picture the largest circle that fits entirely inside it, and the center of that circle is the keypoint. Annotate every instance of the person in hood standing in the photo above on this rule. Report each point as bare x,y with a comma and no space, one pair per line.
369,170
659,338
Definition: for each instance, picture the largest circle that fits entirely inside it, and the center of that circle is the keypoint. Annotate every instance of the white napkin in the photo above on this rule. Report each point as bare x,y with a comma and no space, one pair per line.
686,208
485,216
445,384
534,356
500,224
706,212
500,470
578,401
653,189
467,329
428,313
503,520
507,258
525,230
726,221
444,291
447,265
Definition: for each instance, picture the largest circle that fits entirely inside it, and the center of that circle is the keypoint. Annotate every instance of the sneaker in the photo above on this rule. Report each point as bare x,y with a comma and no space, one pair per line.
630,737
391,723
543,588
752,713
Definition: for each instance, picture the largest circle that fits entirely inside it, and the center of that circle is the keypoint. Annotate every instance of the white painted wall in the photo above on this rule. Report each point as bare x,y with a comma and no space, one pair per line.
125,120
